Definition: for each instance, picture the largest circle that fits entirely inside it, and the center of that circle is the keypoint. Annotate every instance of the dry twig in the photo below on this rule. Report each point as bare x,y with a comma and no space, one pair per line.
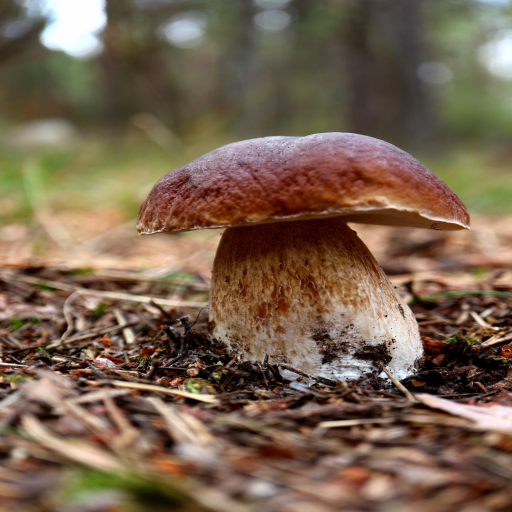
398,384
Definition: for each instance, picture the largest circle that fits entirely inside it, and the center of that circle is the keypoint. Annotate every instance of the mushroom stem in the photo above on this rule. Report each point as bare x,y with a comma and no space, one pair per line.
310,294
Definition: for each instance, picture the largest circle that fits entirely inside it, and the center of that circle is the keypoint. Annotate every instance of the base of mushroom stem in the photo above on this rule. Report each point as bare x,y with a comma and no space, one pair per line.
335,374
310,294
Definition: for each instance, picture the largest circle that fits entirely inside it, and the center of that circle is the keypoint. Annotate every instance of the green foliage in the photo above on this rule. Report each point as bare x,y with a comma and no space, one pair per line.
42,351
193,385
197,297
217,376
500,361
14,378
16,323
144,360
81,272
46,288
461,344
100,310
145,329
134,492
179,276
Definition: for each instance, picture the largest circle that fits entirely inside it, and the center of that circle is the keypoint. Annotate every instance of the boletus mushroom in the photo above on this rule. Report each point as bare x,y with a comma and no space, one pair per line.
290,278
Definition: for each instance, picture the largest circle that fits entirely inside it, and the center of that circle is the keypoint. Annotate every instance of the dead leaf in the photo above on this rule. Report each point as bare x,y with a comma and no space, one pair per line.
492,417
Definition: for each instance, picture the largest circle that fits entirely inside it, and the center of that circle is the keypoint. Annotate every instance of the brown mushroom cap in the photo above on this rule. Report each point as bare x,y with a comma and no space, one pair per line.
276,179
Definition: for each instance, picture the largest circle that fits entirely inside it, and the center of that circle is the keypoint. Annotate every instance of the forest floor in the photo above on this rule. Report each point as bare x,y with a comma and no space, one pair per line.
112,397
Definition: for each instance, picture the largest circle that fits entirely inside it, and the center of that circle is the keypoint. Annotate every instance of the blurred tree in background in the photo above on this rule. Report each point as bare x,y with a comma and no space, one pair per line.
410,72
18,32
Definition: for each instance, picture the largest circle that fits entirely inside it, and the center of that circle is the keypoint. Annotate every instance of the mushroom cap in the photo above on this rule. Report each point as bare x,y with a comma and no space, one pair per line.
277,179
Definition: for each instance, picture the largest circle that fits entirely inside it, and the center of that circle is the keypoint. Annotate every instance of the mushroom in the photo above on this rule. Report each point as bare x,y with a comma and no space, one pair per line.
290,278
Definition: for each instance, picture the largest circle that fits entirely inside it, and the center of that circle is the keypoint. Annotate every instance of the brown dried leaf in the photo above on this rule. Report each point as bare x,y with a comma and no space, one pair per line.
492,417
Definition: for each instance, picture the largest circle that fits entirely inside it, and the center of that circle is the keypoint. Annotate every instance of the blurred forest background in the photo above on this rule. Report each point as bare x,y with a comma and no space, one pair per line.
99,98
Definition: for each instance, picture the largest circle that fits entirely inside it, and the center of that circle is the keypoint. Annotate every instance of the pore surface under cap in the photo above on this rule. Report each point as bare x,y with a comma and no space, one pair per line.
276,179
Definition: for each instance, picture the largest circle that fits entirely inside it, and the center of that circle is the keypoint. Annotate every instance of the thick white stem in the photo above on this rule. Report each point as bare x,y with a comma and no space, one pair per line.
310,294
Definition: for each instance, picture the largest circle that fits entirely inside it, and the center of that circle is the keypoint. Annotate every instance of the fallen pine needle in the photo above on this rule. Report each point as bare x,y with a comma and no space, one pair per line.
431,419
149,387
182,427
77,451
481,322
142,298
399,385
91,334
351,423
12,365
98,396
496,339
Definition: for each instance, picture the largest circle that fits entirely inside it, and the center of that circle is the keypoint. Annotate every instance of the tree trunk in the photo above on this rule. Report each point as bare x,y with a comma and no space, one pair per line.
134,73
382,51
